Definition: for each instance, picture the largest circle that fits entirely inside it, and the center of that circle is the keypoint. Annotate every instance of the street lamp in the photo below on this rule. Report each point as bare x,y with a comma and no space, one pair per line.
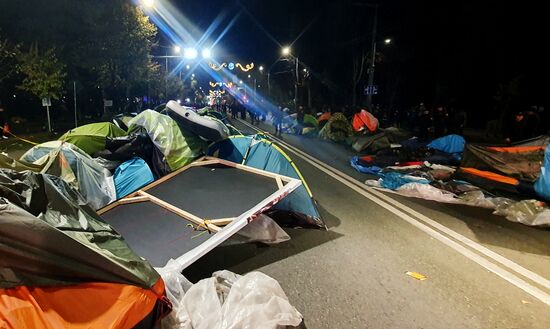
190,53
177,49
261,68
206,53
285,51
148,3
387,41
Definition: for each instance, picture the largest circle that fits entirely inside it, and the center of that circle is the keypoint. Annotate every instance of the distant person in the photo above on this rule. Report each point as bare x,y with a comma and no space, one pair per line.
4,122
278,120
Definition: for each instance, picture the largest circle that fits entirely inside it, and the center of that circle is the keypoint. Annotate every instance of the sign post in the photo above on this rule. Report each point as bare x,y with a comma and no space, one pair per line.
107,103
47,102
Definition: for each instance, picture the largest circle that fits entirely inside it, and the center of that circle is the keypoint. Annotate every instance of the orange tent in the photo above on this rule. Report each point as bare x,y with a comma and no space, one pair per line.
364,120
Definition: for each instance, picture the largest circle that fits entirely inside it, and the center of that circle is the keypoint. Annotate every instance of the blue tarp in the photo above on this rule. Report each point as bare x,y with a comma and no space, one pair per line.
355,163
394,180
449,144
132,175
257,152
542,185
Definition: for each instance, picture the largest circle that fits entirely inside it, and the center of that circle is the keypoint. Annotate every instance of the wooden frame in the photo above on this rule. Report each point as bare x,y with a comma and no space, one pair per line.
222,227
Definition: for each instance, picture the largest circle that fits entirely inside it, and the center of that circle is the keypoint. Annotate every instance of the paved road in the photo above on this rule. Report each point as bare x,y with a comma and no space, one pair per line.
482,271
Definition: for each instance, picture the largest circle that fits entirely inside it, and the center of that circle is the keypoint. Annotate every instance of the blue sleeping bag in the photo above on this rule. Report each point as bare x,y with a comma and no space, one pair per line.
453,144
131,176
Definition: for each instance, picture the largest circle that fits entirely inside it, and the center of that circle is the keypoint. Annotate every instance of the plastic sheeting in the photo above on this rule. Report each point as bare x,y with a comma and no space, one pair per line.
227,301
77,168
132,175
542,185
178,147
527,212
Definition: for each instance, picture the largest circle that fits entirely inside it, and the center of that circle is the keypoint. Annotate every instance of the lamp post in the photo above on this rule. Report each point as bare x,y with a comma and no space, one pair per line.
373,53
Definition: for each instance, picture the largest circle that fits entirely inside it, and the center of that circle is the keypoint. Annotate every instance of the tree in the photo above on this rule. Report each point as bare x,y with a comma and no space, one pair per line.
359,63
8,59
44,74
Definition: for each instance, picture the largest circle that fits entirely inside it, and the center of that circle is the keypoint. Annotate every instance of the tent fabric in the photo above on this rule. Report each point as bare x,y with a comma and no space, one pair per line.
337,128
178,146
519,165
542,185
257,152
50,238
135,145
91,138
449,144
310,121
82,306
75,167
18,165
324,117
371,143
132,175
364,120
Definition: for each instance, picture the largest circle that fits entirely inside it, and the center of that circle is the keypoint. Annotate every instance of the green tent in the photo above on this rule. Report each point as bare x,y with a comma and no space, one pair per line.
337,128
178,146
91,138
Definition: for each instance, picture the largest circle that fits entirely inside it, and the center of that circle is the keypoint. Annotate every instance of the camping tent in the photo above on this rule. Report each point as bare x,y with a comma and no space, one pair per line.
257,152
372,143
511,169
91,138
337,128
75,167
122,120
178,146
364,120
63,266
131,175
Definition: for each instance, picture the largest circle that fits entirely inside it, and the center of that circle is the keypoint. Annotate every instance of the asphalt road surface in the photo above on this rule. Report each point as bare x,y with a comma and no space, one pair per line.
482,271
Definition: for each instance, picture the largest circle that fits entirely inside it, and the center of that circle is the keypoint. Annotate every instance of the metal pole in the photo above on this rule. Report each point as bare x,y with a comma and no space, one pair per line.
74,95
296,86
268,84
373,52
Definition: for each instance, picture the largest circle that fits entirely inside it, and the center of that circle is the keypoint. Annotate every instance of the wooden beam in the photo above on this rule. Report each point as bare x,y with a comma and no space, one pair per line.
279,182
222,221
170,175
108,207
182,213
252,170
133,200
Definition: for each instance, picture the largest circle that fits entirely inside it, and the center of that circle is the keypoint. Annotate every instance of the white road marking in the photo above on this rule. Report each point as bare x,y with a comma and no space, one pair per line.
390,205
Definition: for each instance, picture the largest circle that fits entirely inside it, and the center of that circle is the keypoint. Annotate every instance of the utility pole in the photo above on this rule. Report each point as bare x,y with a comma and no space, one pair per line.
74,96
296,85
373,58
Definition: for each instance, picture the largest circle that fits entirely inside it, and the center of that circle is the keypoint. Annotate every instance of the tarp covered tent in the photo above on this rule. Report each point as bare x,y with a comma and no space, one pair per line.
310,121
371,143
337,128
63,266
75,167
257,152
91,138
365,121
510,169
131,175
178,146
453,144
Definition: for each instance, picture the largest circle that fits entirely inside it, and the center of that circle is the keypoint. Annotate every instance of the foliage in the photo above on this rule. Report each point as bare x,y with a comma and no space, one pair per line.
8,58
44,74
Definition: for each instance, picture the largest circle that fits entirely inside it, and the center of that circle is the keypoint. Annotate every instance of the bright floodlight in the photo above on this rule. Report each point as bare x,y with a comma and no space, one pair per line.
387,41
190,53
206,53
285,51
241,82
193,75
188,66
148,3
261,68
177,49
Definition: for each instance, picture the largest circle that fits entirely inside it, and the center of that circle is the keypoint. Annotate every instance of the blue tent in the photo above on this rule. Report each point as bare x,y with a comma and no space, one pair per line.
542,185
257,152
453,144
132,175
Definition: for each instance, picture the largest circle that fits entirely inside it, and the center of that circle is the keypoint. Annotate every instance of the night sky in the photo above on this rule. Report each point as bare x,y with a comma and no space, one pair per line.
442,52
